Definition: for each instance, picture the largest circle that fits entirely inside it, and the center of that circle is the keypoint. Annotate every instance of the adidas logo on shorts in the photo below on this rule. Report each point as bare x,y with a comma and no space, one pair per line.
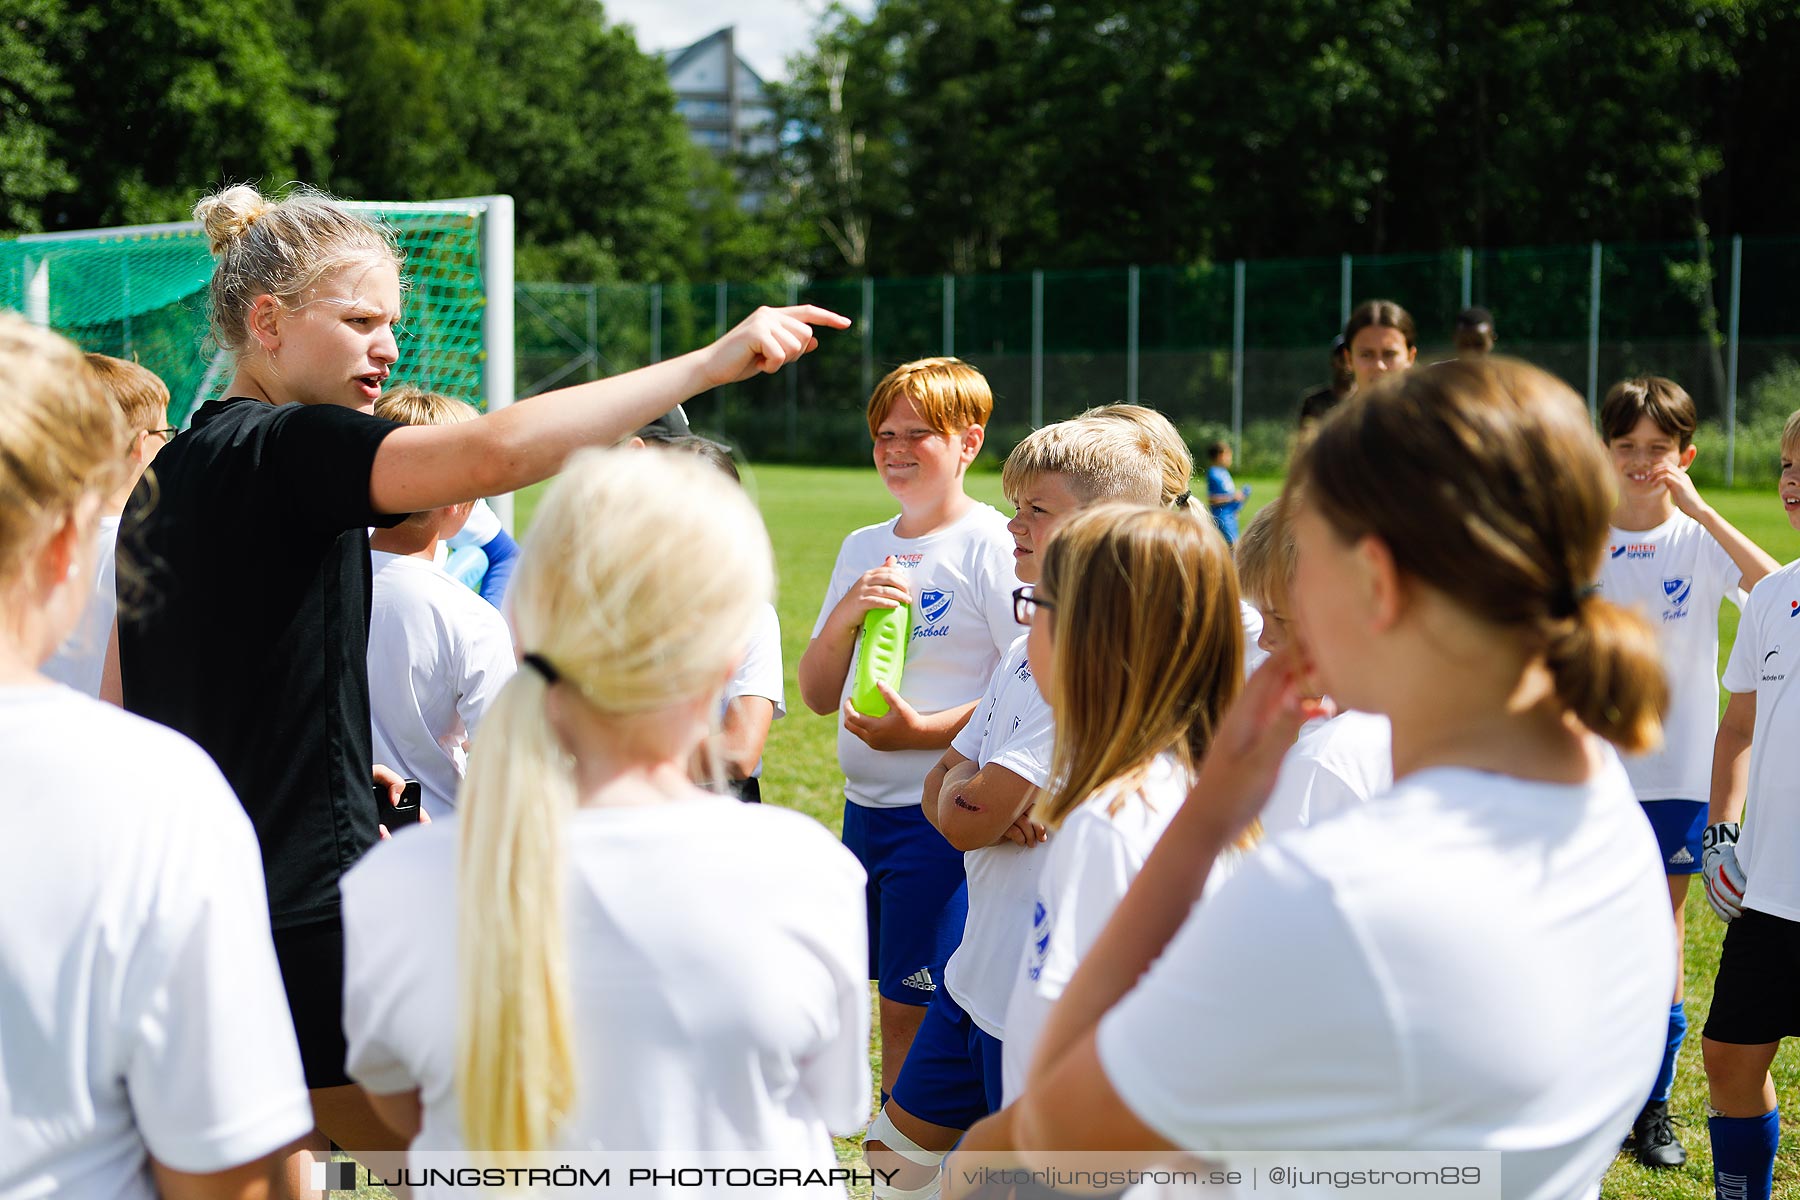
1680,858
920,979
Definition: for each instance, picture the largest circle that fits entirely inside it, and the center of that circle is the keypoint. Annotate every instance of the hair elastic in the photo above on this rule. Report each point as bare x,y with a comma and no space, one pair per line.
1181,501
1569,603
541,665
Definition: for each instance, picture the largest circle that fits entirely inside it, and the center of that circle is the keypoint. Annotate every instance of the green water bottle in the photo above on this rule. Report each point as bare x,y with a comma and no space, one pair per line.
881,657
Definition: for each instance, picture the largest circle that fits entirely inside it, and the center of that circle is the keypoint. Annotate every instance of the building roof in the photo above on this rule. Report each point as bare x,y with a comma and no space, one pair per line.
676,59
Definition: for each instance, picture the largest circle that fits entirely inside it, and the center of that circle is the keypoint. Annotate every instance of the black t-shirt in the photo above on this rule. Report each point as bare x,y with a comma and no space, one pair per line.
1317,403
253,640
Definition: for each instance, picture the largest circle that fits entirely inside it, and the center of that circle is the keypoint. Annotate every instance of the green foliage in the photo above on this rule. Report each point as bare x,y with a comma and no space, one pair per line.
29,87
963,135
1763,413
160,99
127,111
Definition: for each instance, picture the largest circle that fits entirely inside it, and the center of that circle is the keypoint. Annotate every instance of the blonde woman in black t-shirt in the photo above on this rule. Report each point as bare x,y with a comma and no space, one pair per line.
258,517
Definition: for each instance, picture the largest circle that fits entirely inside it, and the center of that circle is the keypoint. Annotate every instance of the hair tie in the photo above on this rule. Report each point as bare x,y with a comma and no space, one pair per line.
541,665
1181,501
1569,603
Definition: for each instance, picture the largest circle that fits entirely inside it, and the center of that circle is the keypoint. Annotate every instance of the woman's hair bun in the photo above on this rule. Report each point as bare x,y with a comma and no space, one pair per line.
227,215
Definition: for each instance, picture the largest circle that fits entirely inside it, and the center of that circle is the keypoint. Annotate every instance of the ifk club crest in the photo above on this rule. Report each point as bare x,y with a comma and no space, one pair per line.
934,603
1677,591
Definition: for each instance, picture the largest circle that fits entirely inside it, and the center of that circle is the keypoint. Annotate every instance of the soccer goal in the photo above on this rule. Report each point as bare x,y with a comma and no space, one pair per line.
138,292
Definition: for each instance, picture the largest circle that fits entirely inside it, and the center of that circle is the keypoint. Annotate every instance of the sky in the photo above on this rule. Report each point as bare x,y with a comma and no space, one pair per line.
768,31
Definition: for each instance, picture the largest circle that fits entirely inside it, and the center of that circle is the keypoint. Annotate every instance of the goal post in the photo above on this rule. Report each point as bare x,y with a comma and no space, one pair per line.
139,292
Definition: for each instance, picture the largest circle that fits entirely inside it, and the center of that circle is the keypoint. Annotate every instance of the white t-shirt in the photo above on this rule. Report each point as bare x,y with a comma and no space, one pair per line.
1335,766
478,530
81,659
1676,575
1252,623
1470,962
1764,660
760,672
141,1010
1093,858
1011,728
724,1008
438,655
961,580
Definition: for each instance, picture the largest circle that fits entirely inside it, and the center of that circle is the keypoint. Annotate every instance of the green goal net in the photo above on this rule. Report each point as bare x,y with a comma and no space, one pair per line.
139,293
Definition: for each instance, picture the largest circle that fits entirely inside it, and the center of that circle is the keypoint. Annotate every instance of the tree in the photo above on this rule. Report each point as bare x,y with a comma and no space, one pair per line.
408,81
175,96
30,87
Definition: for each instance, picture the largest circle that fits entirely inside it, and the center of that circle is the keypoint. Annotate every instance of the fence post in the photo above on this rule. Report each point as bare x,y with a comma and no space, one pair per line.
1237,353
37,291
868,336
793,387
1468,277
1131,335
1593,378
593,330
1037,349
130,352
949,316
1731,359
656,322
1344,300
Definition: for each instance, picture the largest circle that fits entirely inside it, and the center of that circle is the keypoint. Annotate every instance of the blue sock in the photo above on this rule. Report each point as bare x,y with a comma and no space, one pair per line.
1744,1155
1677,1034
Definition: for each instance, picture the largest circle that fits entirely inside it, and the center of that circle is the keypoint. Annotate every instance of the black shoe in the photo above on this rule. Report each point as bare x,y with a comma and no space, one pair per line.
1653,1138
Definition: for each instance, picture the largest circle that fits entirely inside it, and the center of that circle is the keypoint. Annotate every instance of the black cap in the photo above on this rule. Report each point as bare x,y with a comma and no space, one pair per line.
672,424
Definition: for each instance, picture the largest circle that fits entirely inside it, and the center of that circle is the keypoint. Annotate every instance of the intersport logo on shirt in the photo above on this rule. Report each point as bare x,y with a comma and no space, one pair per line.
1632,550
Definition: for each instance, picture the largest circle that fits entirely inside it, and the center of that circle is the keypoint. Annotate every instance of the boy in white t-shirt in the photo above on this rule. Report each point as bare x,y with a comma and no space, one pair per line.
948,557
1675,558
1340,762
88,659
978,797
1750,874
438,652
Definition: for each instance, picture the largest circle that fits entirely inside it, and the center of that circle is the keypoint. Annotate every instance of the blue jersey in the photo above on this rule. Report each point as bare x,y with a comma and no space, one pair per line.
1220,483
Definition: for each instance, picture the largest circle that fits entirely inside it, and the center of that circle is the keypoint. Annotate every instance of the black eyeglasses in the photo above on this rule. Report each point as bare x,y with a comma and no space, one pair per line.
167,435
1026,602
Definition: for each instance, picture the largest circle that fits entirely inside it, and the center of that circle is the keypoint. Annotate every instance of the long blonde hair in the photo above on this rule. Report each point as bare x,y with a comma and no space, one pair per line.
638,587
1149,651
60,437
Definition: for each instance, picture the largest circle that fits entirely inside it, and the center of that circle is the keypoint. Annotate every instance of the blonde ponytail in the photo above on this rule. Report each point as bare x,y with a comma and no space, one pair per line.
639,584
515,1038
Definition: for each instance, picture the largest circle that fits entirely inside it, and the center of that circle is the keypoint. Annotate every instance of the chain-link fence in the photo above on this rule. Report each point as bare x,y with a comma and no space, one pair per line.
1224,349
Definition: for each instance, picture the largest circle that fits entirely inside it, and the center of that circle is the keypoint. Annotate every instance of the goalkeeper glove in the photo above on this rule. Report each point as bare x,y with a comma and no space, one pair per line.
1719,866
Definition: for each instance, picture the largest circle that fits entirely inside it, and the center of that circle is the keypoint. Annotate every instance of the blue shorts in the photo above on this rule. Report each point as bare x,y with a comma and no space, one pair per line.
917,898
952,1073
1679,826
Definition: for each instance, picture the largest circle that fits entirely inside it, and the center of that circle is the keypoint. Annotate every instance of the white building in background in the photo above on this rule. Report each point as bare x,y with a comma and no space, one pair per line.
724,102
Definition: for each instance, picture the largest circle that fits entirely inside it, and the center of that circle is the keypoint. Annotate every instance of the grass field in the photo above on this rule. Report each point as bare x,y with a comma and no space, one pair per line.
809,510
